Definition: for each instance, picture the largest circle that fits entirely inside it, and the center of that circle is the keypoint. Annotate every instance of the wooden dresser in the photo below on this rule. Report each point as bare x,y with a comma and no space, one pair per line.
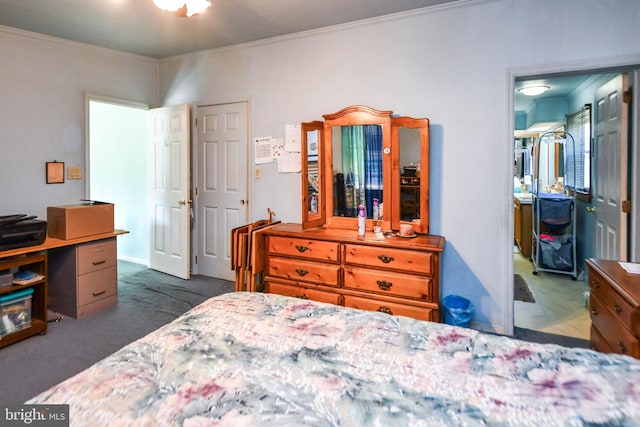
615,308
392,275
522,225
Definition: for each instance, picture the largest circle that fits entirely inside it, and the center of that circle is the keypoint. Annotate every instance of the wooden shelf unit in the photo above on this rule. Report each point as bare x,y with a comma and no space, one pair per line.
36,262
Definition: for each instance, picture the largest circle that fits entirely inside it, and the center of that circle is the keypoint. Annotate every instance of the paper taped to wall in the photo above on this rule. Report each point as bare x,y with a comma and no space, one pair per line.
263,150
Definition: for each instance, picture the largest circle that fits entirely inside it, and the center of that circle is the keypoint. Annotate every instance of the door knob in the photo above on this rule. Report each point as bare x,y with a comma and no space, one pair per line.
242,202
183,202
591,209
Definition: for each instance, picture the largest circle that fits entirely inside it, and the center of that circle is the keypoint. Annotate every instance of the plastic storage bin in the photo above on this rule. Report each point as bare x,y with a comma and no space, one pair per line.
458,311
15,311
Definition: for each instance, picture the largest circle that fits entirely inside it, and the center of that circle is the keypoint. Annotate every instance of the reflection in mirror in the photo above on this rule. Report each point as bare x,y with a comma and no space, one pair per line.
357,170
410,180
313,184
313,204
409,140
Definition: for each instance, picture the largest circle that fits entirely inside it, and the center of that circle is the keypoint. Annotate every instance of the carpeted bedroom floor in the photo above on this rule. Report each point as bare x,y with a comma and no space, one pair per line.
147,299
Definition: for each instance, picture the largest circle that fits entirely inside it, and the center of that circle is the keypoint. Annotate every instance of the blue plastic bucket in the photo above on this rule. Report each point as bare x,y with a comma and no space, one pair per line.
458,311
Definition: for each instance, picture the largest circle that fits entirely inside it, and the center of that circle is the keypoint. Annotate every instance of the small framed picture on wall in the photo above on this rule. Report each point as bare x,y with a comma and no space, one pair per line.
55,172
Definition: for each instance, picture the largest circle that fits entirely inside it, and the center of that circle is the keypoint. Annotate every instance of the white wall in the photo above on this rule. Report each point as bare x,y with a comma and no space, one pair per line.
43,82
452,64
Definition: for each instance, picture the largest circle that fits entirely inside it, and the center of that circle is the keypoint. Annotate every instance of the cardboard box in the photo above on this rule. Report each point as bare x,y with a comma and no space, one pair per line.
84,219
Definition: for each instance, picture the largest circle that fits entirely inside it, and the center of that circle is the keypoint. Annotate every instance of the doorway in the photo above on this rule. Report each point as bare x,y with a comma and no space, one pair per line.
561,304
116,171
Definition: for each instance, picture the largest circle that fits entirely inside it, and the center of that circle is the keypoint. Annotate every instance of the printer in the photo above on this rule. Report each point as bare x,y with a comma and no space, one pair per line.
17,231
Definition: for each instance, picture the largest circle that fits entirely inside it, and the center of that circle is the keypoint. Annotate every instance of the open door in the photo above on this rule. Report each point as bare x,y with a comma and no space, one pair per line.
611,166
169,190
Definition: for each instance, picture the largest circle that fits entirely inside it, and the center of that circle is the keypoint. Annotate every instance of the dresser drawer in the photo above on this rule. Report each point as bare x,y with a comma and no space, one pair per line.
304,248
97,255
97,285
390,283
598,342
275,287
308,271
397,259
389,307
617,336
598,286
624,311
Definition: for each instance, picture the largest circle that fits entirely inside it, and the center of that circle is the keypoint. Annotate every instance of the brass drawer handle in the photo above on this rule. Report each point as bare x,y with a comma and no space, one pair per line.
384,285
386,310
301,272
302,296
302,248
623,348
385,258
99,262
595,284
97,294
594,312
617,308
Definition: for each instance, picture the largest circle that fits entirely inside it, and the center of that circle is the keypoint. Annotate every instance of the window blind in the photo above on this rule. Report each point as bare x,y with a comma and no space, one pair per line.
579,126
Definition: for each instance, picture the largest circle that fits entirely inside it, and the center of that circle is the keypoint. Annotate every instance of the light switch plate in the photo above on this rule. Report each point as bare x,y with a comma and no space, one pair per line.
74,172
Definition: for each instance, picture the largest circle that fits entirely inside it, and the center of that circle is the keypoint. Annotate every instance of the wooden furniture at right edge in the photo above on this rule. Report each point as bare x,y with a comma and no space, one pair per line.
615,308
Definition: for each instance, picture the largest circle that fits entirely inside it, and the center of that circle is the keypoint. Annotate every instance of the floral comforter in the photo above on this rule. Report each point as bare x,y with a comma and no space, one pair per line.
253,359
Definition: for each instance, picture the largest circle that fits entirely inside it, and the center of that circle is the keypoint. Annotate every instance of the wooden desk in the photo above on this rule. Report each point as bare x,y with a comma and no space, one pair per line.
36,258
51,243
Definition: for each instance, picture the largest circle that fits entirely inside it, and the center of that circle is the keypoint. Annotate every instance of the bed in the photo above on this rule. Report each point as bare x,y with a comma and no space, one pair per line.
254,359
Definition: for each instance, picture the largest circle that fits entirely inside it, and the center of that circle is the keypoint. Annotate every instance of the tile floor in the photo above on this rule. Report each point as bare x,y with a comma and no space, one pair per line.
559,308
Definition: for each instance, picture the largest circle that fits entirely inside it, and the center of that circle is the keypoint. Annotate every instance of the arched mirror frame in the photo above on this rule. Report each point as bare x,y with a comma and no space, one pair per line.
356,115
312,219
422,124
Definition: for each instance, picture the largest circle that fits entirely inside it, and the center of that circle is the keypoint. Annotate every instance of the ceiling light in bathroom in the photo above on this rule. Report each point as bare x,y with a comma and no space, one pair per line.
533,90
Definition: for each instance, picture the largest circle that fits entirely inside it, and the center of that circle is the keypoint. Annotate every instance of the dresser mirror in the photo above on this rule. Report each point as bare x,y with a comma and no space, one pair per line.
357,151
313,194
410,175
366,157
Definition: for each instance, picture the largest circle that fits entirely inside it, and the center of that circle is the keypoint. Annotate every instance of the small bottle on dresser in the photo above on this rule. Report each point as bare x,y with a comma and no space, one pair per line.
362,220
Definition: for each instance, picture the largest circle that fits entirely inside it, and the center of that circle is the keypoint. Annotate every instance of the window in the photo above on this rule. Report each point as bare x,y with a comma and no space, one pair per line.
579,126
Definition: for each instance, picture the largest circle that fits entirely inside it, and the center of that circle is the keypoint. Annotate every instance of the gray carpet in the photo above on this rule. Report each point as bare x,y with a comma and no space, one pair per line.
521,291
147,299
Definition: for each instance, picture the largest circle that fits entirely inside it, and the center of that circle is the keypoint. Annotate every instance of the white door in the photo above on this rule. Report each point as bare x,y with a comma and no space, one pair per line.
610,145
222,145
169,190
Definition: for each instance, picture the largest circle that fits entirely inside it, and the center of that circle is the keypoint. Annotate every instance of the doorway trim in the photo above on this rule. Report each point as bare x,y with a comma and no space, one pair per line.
583,67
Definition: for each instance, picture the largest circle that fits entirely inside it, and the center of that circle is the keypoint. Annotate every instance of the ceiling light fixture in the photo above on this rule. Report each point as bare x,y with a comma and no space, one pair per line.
533,90
192,7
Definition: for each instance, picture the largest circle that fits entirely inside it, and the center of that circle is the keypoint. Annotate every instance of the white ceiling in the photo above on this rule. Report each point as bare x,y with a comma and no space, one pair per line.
137,26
